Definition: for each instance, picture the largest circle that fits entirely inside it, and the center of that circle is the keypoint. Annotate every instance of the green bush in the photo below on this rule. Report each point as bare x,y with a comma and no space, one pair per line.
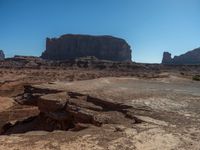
196,77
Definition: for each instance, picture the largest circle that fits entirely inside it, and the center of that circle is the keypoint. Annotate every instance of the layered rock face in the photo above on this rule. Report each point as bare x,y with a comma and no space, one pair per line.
74,46
191,57
2,56
61,110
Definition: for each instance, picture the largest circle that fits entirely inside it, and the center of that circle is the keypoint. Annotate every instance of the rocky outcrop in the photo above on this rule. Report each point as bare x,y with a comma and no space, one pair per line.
2,56
166,58
82,62
191,57
74,46
61,110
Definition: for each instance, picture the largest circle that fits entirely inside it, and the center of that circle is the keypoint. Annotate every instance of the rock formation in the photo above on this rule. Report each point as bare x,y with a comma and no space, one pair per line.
74,46
191,57
61,110
2,56
166,58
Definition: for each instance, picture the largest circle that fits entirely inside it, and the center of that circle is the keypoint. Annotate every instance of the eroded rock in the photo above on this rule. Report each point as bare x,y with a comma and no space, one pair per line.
60,110
2,55
52,102
166,58
71,46
191,57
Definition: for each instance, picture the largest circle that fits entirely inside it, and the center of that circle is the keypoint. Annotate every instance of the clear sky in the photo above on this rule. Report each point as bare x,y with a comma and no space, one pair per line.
149,26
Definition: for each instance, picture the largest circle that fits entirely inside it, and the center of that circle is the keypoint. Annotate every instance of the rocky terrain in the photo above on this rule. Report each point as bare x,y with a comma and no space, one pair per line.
2,56
71,46
191,57
94,104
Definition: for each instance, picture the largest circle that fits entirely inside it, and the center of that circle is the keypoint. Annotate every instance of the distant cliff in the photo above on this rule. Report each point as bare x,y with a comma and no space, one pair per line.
191,57
2,56
71,46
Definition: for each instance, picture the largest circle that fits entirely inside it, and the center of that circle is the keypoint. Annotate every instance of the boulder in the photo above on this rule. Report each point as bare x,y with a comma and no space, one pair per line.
71,46
52,102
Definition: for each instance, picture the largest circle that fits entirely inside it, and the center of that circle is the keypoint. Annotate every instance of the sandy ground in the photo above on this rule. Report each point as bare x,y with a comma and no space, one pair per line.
169,108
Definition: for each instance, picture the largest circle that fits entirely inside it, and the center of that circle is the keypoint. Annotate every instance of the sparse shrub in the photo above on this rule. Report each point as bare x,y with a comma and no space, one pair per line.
196,77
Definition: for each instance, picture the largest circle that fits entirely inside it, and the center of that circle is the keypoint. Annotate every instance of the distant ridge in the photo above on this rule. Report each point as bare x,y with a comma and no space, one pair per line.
191,57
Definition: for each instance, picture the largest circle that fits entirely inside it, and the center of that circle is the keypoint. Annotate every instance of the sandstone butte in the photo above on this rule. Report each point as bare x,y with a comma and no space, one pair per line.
71,46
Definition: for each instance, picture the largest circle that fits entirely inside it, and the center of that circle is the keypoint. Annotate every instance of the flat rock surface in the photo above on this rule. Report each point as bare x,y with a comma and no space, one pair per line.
6,103
52,102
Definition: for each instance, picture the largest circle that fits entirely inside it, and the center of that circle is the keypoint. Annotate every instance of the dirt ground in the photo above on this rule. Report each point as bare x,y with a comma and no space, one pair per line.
168,106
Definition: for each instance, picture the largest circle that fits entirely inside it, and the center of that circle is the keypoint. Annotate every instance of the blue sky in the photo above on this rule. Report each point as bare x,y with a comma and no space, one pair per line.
149,26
